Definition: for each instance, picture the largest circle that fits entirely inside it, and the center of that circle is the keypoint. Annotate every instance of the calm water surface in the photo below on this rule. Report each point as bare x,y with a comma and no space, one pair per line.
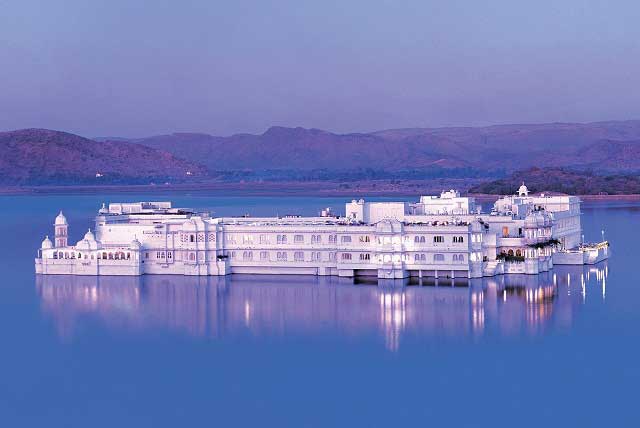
559,349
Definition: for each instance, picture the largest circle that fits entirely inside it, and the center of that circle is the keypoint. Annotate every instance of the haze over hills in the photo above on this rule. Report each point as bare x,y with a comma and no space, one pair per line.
492,148
37,156
41,156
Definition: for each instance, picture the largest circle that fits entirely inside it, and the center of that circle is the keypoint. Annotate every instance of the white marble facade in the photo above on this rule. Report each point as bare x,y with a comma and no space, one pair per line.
442,237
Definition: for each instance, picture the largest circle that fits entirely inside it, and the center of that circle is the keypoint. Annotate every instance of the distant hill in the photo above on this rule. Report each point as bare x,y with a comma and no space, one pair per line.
492,148
40,156
37,156
562,181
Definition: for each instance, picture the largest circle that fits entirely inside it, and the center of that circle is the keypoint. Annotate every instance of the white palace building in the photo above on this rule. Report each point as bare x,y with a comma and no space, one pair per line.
438,237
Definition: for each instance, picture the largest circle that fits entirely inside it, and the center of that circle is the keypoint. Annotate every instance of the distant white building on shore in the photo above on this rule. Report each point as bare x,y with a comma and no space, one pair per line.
438,237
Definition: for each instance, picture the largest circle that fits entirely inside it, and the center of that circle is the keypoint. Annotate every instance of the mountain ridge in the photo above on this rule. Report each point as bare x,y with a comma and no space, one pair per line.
508,146
43,156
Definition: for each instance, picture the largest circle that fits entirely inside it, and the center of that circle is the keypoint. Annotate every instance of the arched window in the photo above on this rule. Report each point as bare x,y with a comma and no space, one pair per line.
192,238
438,257
416,239
510,252
518,253
455,256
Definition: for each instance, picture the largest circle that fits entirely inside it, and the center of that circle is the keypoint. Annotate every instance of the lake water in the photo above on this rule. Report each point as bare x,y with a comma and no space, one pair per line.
559,349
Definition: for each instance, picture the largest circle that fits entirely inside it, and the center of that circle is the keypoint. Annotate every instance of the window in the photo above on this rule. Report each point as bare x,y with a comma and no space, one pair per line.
298,256
282,239
298,239
346,256
505,232
281,256
438,239
264,255
365,257
247,239
316,239
192,238
365,238
264,239
169,254
419,239
315,256
247,255
458,239
345,239
332,256
458,258
438,257
333,239
420,257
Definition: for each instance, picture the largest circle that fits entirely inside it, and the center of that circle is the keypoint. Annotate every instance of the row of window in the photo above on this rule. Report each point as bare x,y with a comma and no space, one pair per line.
333,239
459,258
119,255
299,256
421,239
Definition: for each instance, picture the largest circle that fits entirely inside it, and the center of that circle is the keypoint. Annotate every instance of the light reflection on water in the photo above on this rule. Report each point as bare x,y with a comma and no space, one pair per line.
277,305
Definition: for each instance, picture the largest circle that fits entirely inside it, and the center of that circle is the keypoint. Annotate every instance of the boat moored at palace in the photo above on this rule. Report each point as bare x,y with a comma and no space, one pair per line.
446,236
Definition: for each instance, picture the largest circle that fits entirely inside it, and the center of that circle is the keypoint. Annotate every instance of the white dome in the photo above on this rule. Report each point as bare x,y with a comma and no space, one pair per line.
46,244
523,191
83,245
89,236
61,219
88,242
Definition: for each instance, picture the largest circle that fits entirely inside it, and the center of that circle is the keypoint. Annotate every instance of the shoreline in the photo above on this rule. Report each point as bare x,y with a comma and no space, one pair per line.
321,189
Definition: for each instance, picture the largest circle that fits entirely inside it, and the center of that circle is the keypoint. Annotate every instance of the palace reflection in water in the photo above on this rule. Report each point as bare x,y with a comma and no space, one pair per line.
277,305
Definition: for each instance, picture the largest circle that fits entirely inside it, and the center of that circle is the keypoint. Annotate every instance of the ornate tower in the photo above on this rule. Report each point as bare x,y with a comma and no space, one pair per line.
523,191
61,230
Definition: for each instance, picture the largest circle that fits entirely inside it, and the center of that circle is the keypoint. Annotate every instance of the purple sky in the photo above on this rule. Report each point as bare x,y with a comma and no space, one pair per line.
135,68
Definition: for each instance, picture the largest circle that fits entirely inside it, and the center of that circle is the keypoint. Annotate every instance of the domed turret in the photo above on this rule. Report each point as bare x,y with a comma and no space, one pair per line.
46,244
523,191
88,242
89,236
61,220
61,228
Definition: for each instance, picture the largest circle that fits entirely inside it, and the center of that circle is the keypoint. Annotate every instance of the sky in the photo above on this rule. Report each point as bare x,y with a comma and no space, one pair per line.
135,68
